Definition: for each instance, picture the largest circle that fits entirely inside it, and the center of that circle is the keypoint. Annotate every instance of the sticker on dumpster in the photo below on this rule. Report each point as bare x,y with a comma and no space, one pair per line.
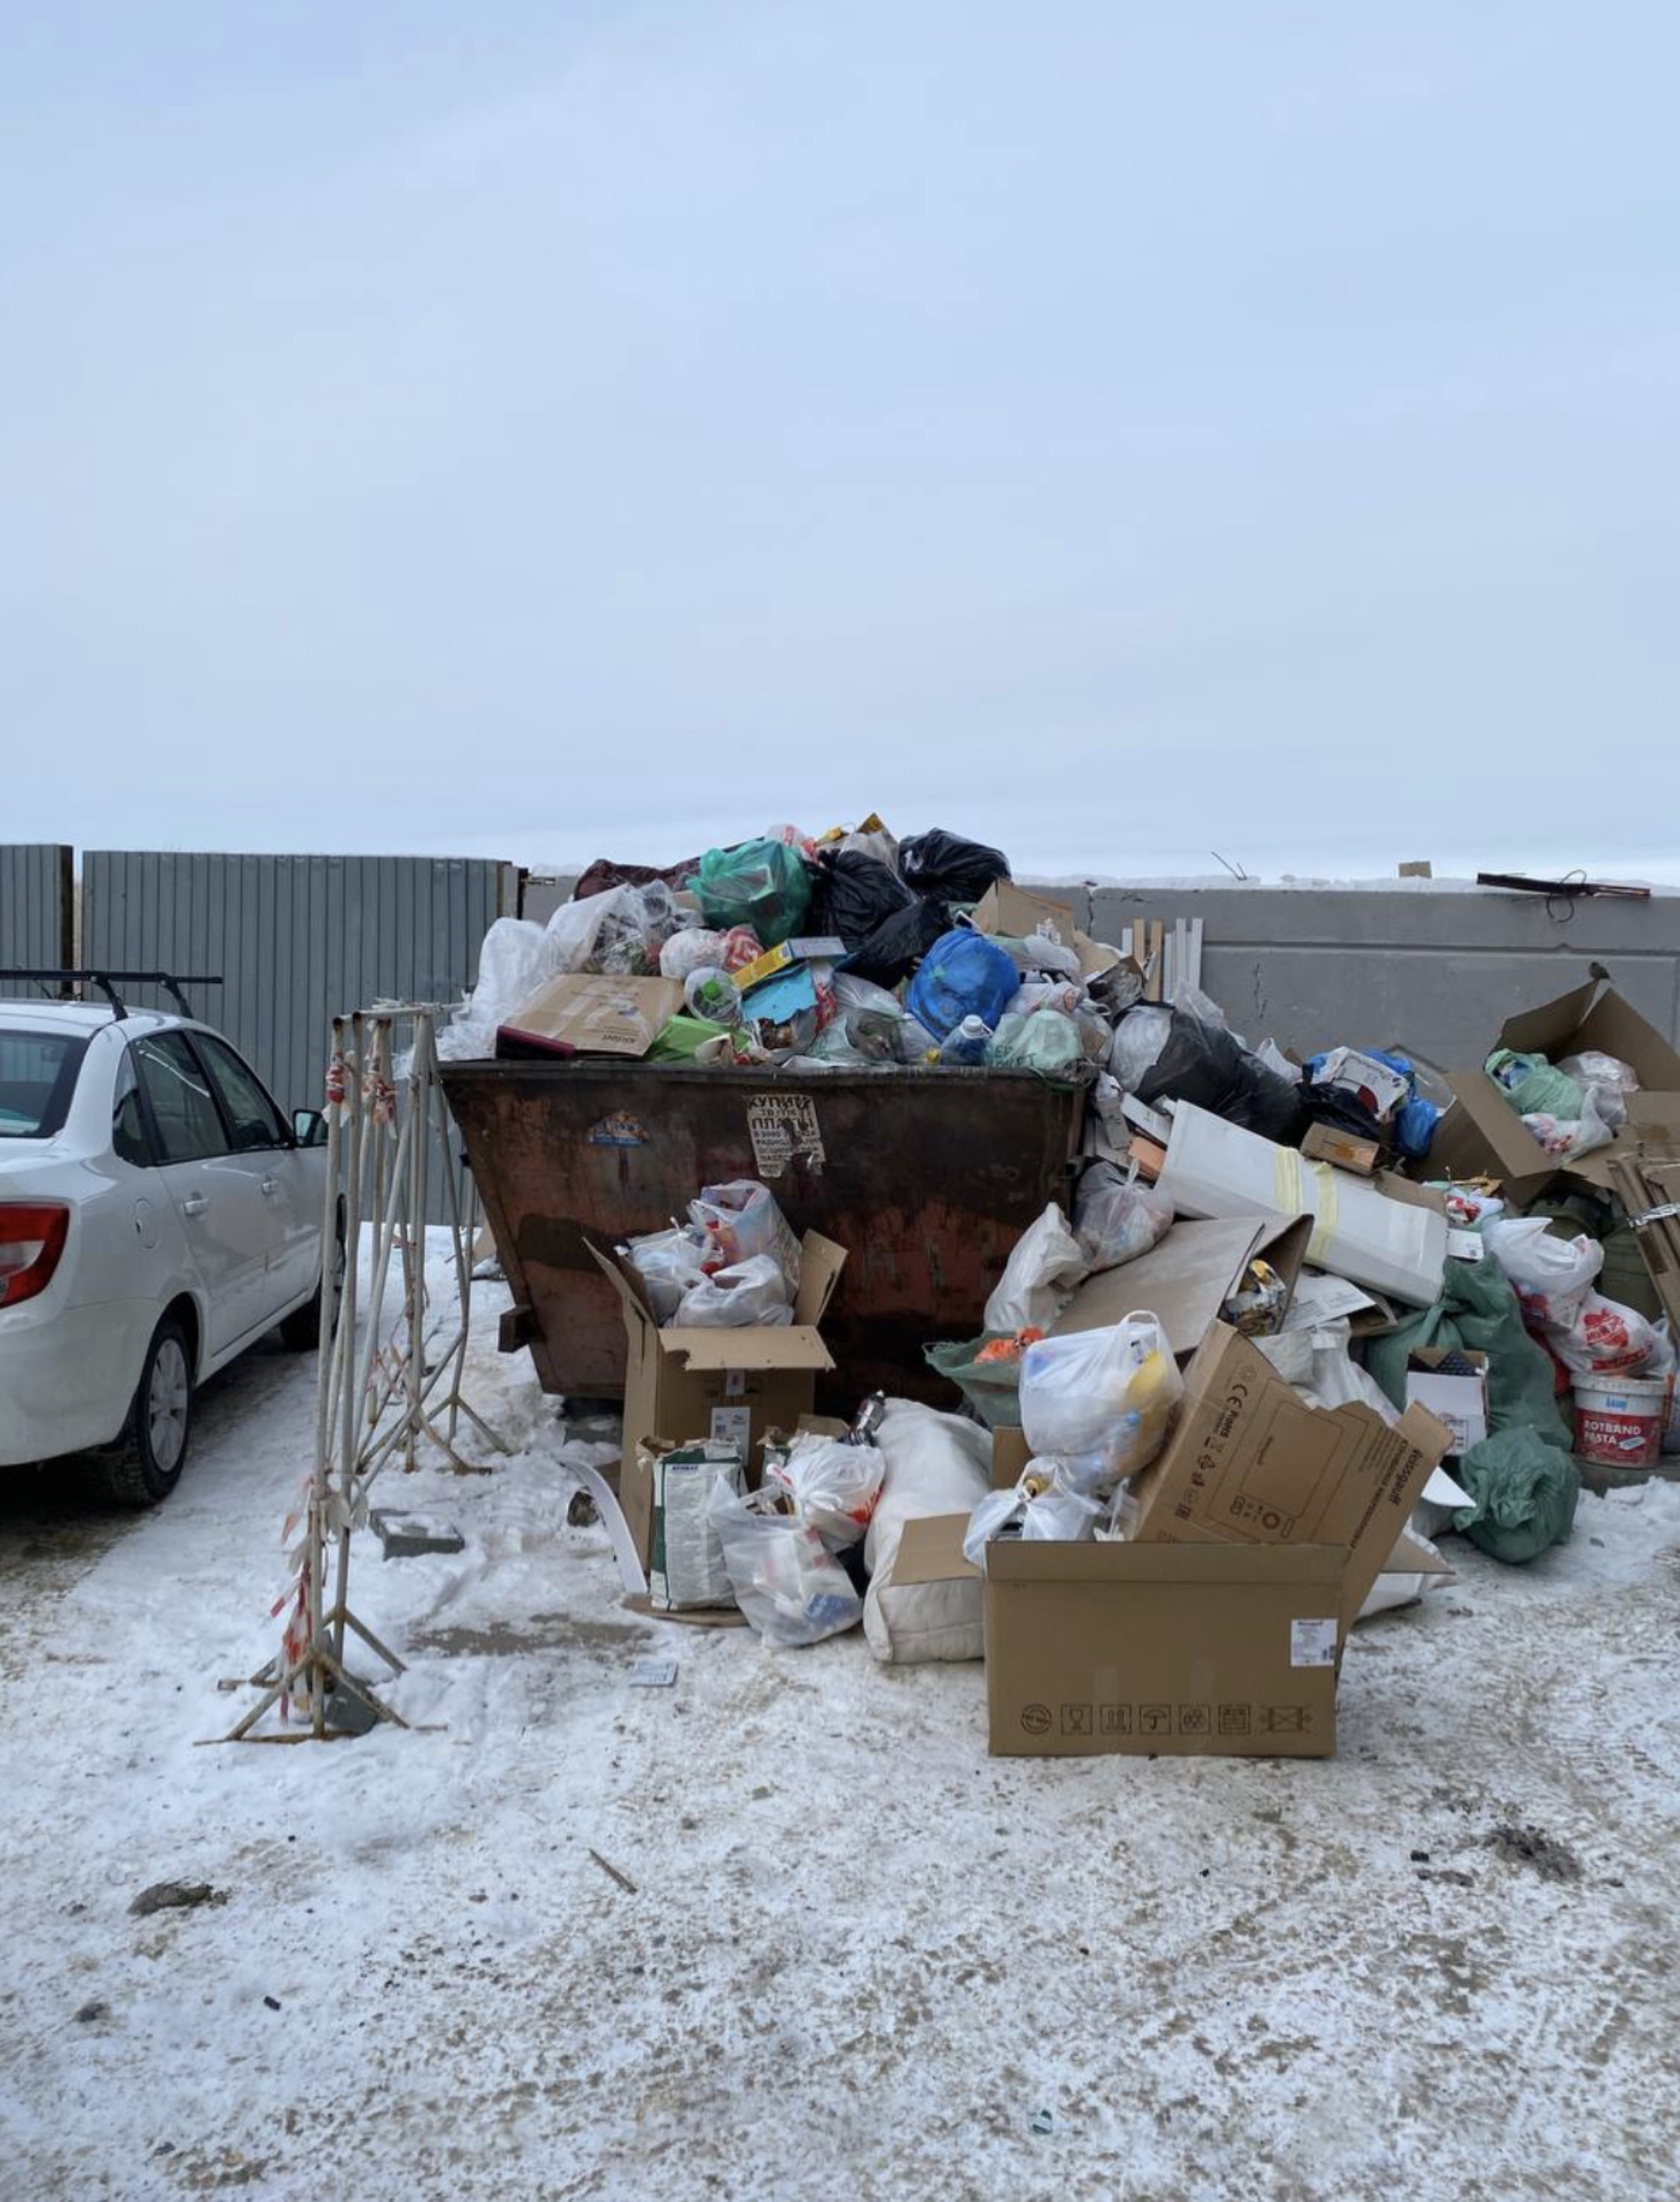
783,1129
1312,1642
620,1129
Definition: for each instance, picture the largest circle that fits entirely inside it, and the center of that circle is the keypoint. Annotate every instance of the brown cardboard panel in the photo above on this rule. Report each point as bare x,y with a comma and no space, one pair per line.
1345,1150
626,1279
705,1617
1161,1651
1251,1461
767,1347
1482,1135
598,1014
820,1263
930,1550
1009,1455
1010,911
1186,1280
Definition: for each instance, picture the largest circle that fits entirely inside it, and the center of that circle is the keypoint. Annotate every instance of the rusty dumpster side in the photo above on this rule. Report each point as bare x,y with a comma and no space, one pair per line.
926,1178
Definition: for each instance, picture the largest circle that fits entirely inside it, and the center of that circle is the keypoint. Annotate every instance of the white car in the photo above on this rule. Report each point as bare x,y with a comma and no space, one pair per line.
157,1215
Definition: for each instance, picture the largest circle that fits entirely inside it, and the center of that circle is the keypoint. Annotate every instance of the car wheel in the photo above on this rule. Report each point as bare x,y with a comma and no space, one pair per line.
301,1329
150,1455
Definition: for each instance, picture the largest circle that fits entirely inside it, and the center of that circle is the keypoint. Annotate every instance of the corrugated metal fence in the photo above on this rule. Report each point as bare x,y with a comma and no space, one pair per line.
37,904
294,939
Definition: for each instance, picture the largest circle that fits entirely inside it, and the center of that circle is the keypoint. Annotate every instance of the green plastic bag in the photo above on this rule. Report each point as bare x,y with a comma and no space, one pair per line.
1045,1039
991,1388
681,1038
1533,1088
1525,1492
762,884
1478,1310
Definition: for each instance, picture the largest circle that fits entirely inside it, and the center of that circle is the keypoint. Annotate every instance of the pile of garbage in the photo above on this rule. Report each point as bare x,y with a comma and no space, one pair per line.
851,950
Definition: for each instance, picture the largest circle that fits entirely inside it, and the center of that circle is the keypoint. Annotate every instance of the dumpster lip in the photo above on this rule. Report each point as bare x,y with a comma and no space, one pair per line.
615,1068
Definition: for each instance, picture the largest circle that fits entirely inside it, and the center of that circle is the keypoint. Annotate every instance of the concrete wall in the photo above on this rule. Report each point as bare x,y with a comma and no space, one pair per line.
1430,968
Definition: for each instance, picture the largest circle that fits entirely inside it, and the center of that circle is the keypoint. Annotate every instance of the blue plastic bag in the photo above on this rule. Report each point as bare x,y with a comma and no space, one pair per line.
963,974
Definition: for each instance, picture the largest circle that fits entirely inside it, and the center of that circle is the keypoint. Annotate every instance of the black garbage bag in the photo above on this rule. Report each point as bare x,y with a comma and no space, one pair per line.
944,864
1204,1064
1342,1112
897,945
855,894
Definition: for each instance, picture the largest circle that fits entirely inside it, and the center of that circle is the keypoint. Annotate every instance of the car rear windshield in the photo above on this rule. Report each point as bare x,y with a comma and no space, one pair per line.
37,1075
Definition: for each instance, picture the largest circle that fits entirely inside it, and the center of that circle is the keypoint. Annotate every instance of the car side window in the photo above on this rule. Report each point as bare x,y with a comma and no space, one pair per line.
255,1120
129,1141
188,1122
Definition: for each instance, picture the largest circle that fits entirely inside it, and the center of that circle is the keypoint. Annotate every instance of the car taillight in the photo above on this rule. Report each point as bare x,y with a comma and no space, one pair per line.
31,1238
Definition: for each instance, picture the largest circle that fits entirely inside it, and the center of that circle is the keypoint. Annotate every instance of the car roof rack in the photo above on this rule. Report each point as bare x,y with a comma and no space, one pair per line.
108,981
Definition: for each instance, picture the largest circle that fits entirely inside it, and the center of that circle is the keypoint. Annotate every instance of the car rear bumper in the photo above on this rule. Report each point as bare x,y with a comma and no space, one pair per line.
67,1376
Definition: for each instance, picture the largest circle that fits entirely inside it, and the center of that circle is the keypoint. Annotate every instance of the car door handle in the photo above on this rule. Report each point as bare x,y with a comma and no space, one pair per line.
270,1185
195,1203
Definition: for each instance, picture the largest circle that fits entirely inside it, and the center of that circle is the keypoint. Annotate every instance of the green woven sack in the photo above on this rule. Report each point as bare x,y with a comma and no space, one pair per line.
1524,1492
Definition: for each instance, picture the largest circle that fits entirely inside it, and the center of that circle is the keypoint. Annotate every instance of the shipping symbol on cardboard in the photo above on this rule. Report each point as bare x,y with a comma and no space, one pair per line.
1035,1719
1114,1720
1193,1721
1076,1720
1234,1720
1285,1719
1155,1720
783,1129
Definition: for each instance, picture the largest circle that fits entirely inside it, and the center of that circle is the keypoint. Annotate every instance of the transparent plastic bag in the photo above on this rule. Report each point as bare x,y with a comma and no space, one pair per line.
1041,1506
1606,1079
1043,993
834,1486
1047,1041
917,1046
1572,1137
872,839
788,1584
740,1220
516,957
748,1295
1039,1276
669,1263
1117,1217
686,1571
1138,1039
1103,1398
1550,1276
691,950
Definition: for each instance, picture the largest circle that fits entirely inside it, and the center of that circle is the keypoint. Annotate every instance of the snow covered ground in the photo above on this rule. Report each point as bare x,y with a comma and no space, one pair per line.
840,1949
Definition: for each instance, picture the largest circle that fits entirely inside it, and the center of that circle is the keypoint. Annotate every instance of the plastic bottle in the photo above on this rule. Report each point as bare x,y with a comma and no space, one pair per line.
967,1044
710,993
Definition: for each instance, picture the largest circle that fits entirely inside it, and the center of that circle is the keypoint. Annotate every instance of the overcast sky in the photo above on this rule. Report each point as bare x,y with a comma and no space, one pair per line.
1120,432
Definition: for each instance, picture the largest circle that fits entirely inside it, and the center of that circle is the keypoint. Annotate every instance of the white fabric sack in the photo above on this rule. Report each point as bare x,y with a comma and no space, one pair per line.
934,1464
1039,1277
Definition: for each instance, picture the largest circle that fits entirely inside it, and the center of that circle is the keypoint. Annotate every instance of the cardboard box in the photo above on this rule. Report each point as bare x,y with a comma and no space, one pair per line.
1390,1234
1342,1150
1460,1401
595,1015
1186,1280
1162,1650
1010,913
1482,1134
1249,1461
732,1386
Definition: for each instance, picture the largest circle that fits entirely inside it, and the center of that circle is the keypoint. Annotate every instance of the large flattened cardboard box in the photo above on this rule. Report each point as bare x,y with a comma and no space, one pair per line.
1249,1461
1482,1135
1387,1235
592,1014
729,1386
1161,1650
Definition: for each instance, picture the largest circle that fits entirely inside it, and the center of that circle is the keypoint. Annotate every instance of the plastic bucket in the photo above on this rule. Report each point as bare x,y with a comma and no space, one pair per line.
1619,1421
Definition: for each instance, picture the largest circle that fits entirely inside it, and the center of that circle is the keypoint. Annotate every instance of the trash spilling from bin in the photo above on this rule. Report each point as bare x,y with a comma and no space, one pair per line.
1147,1405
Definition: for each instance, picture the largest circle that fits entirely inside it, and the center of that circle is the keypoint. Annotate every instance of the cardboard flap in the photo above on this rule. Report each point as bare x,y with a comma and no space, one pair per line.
789,1346
1186,1280
1539,1032
598,1014
627,1281
1038,1559
930,1550
1007,911
820,1263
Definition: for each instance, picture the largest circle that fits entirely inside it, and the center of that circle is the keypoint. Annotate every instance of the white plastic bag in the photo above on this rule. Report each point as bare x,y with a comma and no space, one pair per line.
786,1580
834,1486
934,1464
748,1295
688,951
872,839
1103,1400
1138,1039
1038,1278
1550,1276
1041,1506
670,1264
516,957
1117,1217
741,1220
1604,1338
1573,1137
1316,1360
1608,1079
1044,993
1274,1058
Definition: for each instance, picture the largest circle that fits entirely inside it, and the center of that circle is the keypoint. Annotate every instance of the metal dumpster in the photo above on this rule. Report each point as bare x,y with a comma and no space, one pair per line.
926,1178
